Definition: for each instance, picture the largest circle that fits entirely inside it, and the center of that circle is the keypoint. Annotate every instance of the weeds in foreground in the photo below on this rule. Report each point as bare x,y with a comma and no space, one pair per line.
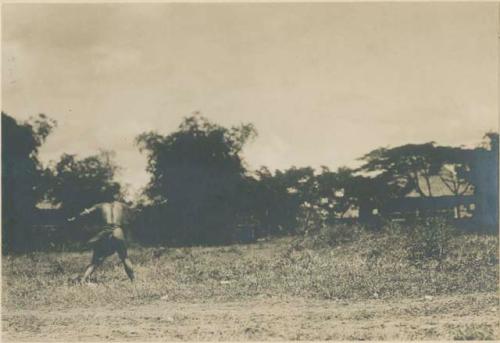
474,332
364,266
430,240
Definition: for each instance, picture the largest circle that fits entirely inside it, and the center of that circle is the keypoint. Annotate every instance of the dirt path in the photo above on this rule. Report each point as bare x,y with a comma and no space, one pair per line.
262,319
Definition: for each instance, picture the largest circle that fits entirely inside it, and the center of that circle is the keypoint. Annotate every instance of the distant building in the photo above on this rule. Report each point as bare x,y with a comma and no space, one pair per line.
48,214
438,200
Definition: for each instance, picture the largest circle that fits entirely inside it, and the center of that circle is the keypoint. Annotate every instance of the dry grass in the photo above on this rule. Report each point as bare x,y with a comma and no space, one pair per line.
372,266
366,287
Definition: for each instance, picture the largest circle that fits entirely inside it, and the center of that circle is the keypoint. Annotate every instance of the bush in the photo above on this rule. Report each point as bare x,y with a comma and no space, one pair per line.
430,239
340,233
329,236
474,332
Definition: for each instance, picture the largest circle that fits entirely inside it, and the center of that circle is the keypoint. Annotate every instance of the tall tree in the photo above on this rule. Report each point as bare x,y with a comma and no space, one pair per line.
408,167
22,185
483,176
287,201
455,172
336,191
302,190
197,178
75,183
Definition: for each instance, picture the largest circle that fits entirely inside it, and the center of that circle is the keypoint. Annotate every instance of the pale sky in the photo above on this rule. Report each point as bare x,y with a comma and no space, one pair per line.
323,83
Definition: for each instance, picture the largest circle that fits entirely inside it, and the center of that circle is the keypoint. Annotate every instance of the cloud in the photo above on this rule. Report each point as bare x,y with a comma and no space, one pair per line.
323,83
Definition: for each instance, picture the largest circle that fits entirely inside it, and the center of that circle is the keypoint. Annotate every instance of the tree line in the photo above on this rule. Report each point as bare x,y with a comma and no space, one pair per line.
201,191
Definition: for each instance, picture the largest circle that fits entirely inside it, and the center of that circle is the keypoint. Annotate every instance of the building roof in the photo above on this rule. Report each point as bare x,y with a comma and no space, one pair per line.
438,188
47,205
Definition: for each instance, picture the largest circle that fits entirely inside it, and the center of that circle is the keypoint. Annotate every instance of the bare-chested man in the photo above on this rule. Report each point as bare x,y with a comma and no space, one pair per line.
110,239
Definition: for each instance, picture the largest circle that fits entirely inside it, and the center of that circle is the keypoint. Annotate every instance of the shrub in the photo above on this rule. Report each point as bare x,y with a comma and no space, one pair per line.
329,236
474,332
430,239
339,234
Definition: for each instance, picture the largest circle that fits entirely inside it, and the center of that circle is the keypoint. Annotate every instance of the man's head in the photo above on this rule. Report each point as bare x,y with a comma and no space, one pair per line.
118,197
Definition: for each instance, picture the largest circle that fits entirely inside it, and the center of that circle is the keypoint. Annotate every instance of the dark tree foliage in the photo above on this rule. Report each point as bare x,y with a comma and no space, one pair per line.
299,200
198,182
483,175
22,185
336,192
398,171
395,172
345,190
410,167
372,193
76,184
278,199
456,169
477,169
407,167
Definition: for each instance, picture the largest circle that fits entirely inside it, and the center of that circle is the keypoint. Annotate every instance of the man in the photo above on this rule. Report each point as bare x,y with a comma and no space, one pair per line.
111,216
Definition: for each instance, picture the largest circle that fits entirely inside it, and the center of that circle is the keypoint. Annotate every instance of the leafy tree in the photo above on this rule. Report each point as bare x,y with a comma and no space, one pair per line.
407,167
374,192
197,180
21,177
483,176
286,201
452,177
302,189
410,167
475,169
76,184
398,171
343,190
336,191
455,170
297,199
272,205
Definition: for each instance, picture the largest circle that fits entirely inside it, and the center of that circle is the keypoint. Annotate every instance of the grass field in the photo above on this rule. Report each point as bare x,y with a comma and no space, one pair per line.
281,289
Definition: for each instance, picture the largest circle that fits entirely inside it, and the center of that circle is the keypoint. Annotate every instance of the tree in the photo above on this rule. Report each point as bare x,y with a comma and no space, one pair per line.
273,206
344,189
298,199
76,184
407,167
475,169
483,176
197,180
286,201
451,176
392,173
410,167
302,189
455,171
22,185
336,191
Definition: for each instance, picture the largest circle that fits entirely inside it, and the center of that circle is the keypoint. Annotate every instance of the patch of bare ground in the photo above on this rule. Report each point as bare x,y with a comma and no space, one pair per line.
265,318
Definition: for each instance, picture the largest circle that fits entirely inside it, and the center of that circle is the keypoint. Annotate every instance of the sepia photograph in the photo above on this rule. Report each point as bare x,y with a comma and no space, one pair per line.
259,171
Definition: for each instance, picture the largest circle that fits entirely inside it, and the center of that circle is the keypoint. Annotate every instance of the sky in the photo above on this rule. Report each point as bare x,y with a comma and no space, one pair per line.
323,83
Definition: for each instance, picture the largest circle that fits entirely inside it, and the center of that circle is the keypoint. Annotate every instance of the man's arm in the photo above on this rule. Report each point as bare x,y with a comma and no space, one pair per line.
84,213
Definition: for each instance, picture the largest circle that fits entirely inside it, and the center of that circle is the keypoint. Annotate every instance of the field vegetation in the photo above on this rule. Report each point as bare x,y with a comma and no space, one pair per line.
456,275
346,254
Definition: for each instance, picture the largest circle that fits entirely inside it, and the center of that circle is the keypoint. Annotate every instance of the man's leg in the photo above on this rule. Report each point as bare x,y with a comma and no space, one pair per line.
121,249
97,259
88,272
128,268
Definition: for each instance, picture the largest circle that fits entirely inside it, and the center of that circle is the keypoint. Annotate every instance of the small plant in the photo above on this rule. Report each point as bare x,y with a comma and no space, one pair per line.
334,235
394,229
474,332
430,239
